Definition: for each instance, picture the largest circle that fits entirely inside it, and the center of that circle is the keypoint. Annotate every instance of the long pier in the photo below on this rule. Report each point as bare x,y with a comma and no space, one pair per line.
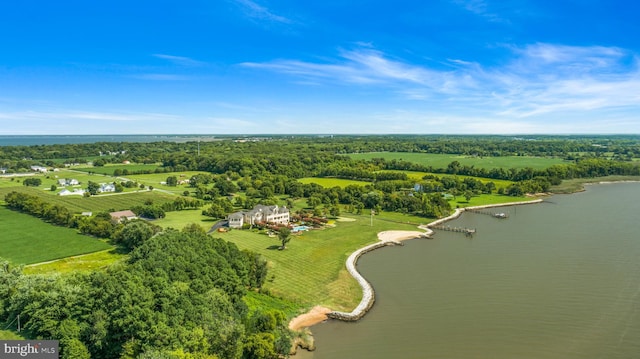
501,215
466,231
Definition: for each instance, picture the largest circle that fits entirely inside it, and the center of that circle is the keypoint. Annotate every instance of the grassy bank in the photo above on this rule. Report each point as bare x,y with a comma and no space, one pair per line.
312,269
82,263
577,184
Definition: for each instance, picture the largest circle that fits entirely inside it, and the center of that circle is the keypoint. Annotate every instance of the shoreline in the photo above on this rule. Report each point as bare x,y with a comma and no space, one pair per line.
319,314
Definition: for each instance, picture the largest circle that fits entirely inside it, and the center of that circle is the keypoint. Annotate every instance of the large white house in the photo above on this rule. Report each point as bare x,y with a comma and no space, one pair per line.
260,214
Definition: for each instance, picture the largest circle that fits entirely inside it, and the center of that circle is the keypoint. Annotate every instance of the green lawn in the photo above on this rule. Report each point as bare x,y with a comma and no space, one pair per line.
26,239
332,182
442,160
179,219
312,269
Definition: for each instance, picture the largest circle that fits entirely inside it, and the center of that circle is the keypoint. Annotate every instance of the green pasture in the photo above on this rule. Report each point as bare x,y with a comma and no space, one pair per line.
332,182
312,269
81,263
442,160
26,239
109,168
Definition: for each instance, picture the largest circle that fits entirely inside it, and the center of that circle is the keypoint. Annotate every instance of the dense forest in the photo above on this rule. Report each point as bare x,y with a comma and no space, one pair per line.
178,293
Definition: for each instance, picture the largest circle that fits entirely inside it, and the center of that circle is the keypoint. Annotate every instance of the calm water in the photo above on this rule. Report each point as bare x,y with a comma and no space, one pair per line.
555,280
30,140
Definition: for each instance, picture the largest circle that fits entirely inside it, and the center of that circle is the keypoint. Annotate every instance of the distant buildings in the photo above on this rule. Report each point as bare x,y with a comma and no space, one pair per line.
68,182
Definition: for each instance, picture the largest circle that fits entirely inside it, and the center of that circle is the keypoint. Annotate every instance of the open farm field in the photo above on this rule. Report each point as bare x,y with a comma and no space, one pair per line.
442,160
26,239
332,182
312,269
109,168
417,176
103,202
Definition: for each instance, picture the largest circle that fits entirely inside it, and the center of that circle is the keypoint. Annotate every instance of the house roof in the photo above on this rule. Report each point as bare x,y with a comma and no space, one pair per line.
120,214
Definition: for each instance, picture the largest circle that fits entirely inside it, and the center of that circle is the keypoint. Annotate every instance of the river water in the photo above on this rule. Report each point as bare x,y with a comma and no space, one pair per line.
556,280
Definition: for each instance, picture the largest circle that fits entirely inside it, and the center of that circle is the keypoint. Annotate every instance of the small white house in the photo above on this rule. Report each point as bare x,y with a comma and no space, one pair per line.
39,169
76,192
107,187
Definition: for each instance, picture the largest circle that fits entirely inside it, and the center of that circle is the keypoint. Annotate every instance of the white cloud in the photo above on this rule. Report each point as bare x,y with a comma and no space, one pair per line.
256,11
480,8
179,60
543,83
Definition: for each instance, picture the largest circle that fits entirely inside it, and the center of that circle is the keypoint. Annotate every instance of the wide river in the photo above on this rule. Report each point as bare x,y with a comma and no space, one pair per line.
556,280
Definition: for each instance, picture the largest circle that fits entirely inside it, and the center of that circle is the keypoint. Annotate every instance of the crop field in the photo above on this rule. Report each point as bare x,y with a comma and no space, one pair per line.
26,239
109,168
442,160
332,182
99,203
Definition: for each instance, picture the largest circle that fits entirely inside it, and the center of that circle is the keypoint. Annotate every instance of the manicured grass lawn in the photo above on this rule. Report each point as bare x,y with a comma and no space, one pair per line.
179,219
312,269
442,160
81,263
332,182
26,239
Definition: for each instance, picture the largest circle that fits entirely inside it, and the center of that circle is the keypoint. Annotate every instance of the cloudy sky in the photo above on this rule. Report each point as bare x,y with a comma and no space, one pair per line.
330,67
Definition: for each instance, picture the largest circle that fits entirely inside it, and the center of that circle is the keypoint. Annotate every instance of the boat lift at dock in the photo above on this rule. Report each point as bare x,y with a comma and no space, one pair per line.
500,215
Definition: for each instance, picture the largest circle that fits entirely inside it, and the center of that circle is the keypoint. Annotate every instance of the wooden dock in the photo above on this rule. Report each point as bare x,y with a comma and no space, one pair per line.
500,215
466,231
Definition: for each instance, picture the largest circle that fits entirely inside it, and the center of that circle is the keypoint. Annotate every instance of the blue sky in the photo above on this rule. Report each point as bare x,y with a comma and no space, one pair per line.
331,67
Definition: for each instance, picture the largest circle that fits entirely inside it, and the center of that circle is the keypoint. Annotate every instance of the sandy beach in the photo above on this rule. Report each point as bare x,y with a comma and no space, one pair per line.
317,314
